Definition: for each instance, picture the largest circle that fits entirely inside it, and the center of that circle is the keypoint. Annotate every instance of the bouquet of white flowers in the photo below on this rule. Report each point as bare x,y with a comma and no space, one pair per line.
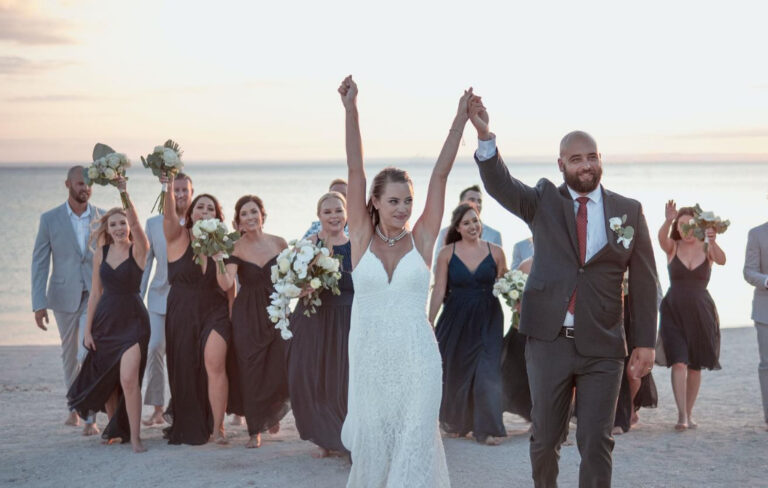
511,287
702,221
107,166
165,160
211,237
302,264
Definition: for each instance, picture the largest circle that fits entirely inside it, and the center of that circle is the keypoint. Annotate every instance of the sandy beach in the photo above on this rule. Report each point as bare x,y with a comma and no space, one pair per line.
729,448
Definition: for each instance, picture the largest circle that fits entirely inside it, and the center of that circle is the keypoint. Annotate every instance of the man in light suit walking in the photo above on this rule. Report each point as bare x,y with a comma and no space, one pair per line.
63,234
756,274
521,251
157,293
584,239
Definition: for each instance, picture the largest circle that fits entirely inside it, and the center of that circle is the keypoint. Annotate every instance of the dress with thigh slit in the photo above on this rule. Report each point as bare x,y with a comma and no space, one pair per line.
119,321
197,306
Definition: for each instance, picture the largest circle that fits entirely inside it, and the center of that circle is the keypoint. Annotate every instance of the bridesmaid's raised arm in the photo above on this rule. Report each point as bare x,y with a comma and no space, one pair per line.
171,225
140,241
666,242
428,226
358,218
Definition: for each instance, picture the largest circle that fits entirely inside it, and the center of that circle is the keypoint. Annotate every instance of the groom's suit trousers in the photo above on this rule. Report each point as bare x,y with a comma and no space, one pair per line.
554,369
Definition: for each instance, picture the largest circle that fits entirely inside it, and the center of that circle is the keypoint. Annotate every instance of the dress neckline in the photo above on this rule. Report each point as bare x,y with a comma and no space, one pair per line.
397,265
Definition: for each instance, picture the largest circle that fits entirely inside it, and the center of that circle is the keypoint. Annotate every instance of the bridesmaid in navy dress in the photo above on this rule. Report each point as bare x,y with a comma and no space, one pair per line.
470,329
690,327
117,328
318,366
259,351
197,330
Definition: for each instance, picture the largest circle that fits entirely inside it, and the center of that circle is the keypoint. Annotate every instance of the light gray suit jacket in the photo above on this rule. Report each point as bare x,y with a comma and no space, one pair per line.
158,289
72,270
521,251
756,271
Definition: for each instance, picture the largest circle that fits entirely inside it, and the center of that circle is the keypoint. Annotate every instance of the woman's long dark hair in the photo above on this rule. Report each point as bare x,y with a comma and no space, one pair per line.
675,234
453,234
216,205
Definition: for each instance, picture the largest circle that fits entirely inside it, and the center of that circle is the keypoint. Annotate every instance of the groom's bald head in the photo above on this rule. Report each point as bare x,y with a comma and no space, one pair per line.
576,137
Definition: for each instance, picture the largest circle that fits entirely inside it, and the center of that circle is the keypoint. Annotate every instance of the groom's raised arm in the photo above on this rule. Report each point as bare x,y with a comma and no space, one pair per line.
512,194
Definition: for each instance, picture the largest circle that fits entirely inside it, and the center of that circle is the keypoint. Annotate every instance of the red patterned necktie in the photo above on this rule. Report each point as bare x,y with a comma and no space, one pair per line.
581,232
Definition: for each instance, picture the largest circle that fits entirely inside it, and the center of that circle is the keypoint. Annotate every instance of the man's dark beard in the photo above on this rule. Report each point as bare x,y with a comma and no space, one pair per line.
75,195
583,186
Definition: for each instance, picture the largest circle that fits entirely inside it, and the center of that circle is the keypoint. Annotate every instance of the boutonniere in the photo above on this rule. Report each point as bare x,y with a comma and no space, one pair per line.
624,233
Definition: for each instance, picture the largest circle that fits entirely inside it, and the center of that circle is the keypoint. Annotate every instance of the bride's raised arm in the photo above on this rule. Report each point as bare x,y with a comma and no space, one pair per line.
428,226
358,218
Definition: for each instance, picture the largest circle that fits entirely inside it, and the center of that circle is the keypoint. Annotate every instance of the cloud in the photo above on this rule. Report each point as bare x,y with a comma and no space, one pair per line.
724,134
50,98
23,26
15,65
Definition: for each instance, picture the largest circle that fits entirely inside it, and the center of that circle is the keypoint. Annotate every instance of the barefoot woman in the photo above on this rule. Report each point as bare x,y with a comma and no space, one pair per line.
117,328
197,330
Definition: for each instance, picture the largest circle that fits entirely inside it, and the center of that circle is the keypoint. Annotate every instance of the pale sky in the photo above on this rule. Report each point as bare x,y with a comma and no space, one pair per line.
257,80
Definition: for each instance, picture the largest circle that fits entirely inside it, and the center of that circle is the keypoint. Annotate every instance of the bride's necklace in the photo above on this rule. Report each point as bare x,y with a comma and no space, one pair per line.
390,240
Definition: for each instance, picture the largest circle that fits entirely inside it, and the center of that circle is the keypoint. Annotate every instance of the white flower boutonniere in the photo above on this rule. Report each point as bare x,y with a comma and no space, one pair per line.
624,233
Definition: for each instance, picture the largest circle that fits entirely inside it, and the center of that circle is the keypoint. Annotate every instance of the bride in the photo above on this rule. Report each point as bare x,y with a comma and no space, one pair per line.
395,373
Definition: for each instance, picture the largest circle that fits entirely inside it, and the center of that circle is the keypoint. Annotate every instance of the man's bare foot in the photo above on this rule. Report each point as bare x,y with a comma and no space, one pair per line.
220,438
493,441
90,429
138,447
254,441
274,429
155,419
320,453
237,420
617,431
73,419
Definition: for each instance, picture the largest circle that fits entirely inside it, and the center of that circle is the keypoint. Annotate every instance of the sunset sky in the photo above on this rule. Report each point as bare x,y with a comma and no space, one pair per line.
244,81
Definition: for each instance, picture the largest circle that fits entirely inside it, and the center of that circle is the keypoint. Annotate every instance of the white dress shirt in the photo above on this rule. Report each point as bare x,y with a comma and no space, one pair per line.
81,224
596,235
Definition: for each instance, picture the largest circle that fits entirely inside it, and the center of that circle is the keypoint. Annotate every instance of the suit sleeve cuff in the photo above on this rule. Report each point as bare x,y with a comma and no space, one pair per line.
486,149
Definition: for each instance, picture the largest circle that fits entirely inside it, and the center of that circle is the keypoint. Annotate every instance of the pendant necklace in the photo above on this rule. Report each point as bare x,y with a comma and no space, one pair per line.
390,240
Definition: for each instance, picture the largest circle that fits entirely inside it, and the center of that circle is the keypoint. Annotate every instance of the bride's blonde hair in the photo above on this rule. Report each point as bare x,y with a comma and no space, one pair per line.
99,235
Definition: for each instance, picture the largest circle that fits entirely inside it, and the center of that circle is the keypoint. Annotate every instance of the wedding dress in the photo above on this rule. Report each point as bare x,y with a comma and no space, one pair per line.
395,379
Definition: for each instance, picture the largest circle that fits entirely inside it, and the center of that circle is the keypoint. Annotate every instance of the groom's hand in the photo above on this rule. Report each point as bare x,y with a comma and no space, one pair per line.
641,362
478,115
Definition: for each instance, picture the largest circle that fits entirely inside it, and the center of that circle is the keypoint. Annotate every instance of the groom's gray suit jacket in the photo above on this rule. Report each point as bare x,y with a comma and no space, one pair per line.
72,269
756,271
556,271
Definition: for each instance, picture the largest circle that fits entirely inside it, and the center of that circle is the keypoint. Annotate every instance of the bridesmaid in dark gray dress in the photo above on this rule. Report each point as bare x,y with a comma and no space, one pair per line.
259,352
318,366
117,328
689,328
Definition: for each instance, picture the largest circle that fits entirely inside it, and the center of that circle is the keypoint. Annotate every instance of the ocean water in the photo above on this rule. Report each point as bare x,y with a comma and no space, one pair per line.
736,191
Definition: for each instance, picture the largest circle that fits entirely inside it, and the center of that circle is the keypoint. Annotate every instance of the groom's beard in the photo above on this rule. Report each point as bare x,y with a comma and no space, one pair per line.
575,181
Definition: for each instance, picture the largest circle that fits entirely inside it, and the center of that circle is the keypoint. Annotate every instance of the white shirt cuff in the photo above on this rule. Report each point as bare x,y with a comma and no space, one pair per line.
486,149
568,322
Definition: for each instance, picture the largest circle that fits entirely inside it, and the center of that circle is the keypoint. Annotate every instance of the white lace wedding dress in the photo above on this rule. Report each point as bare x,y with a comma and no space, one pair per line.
395,379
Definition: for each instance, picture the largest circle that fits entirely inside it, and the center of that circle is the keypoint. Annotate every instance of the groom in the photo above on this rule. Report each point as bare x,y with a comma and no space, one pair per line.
572,304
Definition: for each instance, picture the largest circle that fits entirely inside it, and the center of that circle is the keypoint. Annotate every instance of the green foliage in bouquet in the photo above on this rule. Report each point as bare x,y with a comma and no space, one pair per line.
702,221
107,166
211,237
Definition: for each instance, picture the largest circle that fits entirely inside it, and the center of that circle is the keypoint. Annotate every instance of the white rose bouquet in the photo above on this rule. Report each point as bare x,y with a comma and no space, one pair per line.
303,270
511,286
702,221
165,160
107,167
211,237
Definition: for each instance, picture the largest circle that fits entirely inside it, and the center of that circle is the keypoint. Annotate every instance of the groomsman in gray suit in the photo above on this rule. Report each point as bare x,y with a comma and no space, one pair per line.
157,293
521,251
63,234
572,303
473,195
756,274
